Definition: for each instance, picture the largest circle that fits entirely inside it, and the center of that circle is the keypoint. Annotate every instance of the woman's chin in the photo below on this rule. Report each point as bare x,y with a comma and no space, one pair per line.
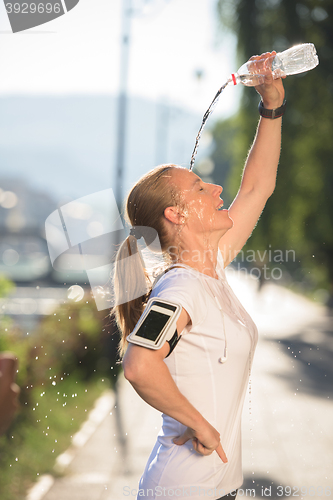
231,222
228,220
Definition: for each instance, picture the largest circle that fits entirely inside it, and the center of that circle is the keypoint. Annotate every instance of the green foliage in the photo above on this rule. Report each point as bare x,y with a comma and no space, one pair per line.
42,431
75,339
223,157
299,214
6,286
61,368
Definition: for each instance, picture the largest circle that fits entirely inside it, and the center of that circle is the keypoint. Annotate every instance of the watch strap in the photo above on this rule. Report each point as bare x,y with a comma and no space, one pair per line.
272,113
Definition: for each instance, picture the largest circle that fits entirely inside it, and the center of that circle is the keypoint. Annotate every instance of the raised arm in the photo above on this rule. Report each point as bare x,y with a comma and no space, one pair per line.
259,175
146,371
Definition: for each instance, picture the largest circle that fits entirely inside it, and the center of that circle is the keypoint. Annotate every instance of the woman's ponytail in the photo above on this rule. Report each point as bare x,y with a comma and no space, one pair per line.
131,286
145,206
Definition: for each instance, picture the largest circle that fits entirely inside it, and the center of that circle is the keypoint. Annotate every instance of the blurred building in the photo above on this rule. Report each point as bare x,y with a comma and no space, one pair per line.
23,250
56,149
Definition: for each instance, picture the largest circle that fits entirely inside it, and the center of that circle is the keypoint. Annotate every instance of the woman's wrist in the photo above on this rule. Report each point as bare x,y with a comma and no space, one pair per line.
199,422
272,112
272,104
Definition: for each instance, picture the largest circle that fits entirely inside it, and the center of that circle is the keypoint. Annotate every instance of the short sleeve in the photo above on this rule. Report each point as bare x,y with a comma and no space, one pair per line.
184,288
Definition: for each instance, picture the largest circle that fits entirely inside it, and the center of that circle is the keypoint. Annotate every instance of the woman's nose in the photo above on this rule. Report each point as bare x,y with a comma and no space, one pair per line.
217,190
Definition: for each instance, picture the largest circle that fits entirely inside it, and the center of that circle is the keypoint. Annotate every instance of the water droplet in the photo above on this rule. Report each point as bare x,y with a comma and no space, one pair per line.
75,293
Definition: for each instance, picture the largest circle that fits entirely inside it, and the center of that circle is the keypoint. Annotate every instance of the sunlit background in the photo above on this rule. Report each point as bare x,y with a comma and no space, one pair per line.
90,102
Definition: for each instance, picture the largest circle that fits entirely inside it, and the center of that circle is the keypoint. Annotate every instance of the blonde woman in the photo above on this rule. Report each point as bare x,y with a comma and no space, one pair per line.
200,386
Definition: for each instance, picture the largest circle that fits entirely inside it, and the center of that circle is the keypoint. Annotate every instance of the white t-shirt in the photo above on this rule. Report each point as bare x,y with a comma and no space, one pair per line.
216,390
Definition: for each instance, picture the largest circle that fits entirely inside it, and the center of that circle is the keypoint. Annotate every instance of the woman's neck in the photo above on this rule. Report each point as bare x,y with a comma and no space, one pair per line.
203,258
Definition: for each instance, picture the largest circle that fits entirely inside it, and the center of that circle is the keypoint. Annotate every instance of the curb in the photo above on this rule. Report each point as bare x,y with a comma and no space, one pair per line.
101,409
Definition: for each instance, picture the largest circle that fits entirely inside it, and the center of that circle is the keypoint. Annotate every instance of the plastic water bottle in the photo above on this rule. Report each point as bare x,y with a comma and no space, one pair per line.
295,60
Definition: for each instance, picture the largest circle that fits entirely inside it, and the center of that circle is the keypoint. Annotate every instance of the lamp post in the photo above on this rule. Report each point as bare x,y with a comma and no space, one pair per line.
130,8
122,101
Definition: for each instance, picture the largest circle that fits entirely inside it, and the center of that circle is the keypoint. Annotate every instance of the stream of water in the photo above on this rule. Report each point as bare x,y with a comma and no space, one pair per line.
205,117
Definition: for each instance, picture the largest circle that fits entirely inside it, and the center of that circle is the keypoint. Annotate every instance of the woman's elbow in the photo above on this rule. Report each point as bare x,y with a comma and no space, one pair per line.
129,372
132,368
272,189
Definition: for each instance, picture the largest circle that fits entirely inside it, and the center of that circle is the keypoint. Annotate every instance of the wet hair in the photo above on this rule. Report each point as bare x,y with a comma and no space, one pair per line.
145,206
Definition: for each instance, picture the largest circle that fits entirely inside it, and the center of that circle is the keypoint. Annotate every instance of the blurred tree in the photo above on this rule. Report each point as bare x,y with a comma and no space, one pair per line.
299,214
6,323
222,155
6,286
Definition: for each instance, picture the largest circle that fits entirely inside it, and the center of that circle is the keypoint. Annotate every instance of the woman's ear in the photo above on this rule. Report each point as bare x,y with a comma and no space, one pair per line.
173,215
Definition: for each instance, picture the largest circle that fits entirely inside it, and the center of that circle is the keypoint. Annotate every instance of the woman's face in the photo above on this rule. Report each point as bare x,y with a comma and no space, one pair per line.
203,205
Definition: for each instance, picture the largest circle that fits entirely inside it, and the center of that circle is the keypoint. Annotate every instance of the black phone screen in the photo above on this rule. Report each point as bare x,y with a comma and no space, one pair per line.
153,325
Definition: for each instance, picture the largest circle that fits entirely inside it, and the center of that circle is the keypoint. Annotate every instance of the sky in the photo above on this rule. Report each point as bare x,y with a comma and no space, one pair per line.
79,53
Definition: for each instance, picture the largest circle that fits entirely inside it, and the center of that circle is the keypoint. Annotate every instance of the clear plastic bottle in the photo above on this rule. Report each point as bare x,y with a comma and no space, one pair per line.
295,60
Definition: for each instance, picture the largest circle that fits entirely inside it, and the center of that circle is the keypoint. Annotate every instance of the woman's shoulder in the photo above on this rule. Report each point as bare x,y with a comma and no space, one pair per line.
182,286
178,277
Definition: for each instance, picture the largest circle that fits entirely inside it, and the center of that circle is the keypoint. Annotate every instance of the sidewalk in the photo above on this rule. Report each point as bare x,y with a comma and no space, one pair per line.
287,437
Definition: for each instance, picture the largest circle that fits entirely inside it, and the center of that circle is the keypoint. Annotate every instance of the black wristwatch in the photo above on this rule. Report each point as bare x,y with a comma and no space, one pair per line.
272,113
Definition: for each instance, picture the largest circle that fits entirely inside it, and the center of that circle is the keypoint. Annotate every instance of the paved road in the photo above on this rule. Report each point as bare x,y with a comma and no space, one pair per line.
287,427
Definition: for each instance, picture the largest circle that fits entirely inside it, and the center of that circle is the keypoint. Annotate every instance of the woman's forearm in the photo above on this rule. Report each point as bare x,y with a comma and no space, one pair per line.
150,377
261,166
262,162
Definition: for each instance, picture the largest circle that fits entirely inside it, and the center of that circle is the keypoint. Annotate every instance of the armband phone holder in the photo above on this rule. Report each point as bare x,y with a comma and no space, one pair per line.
157,325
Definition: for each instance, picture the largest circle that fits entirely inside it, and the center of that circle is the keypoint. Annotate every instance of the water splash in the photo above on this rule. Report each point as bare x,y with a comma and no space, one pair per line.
205,117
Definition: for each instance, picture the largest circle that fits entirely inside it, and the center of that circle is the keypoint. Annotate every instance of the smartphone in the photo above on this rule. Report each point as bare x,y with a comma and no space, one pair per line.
156,325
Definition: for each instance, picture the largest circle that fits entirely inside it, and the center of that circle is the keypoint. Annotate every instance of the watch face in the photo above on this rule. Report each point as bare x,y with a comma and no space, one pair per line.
152,326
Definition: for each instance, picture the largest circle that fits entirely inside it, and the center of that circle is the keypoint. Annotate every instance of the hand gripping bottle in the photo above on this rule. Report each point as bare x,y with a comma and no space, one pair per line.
295,60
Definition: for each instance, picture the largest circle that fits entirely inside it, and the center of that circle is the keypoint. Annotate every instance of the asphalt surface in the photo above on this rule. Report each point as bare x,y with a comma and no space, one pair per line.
287,419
